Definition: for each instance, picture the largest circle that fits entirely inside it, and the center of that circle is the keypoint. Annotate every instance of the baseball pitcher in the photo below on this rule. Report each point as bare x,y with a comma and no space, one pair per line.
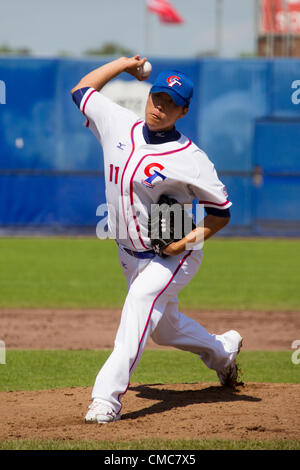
148,162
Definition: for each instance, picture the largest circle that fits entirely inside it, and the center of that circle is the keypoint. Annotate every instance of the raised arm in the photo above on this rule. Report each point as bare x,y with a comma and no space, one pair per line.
102,75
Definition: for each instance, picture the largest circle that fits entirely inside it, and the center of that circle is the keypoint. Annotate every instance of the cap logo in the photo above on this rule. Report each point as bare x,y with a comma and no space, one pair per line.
173,80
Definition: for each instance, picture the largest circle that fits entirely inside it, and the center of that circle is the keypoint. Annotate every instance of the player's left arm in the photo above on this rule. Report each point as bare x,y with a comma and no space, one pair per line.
210,192
211,225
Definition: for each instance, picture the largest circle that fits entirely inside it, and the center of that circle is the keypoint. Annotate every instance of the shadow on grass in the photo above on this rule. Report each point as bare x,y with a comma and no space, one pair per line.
169,399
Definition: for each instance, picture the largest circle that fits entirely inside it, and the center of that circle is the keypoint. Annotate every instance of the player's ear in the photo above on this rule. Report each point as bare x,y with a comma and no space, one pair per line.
185,110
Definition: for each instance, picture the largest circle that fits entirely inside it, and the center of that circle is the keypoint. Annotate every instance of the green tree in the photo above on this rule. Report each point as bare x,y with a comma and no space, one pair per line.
247,55
64,53
208,53
6,49
109,48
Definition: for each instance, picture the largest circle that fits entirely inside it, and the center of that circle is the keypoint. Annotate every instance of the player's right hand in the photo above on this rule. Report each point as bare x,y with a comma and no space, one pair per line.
134,65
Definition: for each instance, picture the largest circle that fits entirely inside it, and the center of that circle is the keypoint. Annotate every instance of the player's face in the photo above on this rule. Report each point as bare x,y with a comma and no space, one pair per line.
162,112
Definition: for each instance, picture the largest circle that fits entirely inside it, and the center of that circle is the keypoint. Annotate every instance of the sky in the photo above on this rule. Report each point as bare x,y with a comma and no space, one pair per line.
50,27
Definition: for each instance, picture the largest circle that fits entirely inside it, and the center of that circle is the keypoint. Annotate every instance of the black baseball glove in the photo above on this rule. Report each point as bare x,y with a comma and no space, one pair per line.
168,222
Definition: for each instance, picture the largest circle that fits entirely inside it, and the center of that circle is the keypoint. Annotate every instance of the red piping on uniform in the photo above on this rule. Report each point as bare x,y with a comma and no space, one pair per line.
119,397
149,316
131,185
122,178
83,107
214,203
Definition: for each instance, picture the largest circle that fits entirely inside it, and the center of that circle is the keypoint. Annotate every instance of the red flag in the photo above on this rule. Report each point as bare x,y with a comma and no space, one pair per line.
165,11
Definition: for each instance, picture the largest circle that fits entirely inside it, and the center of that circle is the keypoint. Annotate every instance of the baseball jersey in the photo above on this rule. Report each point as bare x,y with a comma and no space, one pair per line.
138,172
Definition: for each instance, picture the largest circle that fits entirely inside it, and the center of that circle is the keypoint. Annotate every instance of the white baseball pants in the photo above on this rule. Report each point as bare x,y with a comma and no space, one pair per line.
150,309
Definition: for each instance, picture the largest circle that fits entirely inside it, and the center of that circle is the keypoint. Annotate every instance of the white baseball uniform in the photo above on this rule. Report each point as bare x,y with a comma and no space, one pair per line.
138,169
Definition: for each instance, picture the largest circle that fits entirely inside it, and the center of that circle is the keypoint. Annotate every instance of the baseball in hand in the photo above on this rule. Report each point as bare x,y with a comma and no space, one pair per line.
146,69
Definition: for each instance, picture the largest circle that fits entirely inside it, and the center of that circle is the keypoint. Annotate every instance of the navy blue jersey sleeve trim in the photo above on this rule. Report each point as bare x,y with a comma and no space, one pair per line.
78,94
217,212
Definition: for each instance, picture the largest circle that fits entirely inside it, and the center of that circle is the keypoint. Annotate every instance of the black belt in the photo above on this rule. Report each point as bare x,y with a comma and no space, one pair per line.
140,254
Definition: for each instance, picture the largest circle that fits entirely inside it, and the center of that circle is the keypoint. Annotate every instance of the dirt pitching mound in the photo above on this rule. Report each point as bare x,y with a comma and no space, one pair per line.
174,411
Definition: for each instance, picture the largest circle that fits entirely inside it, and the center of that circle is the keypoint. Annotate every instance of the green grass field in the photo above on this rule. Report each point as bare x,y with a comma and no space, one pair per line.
260,274
257,274
38,370
151,444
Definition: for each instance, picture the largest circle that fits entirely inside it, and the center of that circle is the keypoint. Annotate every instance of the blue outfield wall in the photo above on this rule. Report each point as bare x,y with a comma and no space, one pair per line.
245,115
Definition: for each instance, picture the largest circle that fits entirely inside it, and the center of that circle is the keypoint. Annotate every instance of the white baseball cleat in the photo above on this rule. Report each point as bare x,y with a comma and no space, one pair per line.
99,412
229,375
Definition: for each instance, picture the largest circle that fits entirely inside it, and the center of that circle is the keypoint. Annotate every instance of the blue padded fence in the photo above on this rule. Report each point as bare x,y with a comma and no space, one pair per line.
245,115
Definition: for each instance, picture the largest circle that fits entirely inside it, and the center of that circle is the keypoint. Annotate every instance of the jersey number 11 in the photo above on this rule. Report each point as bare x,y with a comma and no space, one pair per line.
111,173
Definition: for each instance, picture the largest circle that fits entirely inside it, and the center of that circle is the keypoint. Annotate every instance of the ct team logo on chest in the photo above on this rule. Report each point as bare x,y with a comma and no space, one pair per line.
154,176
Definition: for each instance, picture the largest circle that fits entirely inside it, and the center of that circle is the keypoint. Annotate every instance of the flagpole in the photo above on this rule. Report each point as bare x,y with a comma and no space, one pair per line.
287,32
273,32
218,32
146,31
257,26
166,13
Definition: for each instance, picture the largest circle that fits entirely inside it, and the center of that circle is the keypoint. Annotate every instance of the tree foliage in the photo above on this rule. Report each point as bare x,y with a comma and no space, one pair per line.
109,49
6,49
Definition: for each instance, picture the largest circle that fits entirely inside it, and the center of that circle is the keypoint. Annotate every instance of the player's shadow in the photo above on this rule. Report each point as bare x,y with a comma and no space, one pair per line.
169,399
